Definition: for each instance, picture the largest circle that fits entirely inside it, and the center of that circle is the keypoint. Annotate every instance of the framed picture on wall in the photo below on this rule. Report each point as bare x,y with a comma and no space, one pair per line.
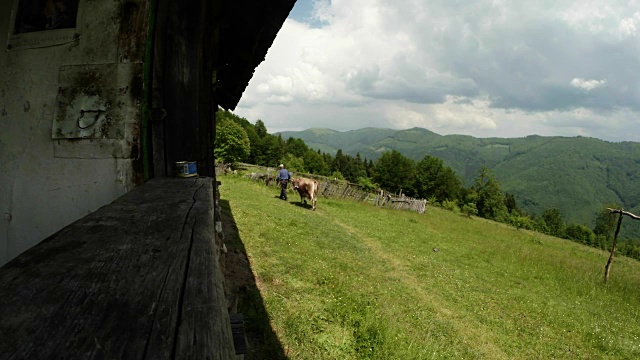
43,23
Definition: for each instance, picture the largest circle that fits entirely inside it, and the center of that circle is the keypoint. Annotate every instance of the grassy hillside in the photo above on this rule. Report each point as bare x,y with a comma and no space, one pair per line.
351,281
577,175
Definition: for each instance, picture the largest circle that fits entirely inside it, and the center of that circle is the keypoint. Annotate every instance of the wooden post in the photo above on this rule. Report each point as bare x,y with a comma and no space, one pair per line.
607,268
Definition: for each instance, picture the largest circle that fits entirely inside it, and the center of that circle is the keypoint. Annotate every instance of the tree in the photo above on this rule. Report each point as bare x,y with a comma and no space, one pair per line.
366,184
450,184
296,147
355,168
314,163
256,144
489,197
521,222
554,222
580,233
339,162
540,225
510,203
274,150
328,159
469,209
232,143
369,167
293,163
395,172
261,129
427,171
605,222
434,180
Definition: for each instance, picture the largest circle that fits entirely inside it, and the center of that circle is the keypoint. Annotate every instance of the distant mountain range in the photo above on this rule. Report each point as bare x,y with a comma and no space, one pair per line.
577,175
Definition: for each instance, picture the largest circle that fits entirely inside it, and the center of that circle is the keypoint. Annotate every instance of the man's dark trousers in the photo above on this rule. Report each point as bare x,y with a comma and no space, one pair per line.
283,190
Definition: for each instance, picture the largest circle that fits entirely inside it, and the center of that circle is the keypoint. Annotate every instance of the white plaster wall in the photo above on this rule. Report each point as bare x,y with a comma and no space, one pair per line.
39,193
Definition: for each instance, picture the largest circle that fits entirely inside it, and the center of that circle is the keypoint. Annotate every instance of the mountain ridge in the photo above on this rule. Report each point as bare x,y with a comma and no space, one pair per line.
578,175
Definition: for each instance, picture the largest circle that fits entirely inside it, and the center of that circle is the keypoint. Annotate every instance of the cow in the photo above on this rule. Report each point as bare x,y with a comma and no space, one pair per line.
307,188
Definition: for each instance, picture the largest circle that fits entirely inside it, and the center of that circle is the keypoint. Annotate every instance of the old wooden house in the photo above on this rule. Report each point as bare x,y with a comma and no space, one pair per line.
106,253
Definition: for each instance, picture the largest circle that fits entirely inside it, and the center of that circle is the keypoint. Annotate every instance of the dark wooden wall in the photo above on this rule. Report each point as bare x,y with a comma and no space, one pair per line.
182,101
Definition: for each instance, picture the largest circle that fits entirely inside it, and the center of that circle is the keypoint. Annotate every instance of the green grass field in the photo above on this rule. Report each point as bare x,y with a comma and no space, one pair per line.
352,281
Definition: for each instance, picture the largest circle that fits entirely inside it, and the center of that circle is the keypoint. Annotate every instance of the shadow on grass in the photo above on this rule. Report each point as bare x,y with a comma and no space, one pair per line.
244,295
302,204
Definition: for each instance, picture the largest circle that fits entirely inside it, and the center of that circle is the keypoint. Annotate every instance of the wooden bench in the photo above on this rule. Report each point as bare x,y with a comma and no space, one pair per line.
138,278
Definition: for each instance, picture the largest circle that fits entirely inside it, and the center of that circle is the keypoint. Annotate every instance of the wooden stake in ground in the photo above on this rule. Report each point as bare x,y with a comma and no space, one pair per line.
607,268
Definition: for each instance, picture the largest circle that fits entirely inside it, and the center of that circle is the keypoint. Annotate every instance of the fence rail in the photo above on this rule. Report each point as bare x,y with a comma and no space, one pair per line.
401,202
340,189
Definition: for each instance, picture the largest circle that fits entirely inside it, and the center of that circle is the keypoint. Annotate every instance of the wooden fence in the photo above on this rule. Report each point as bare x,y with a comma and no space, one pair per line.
401,202
341,189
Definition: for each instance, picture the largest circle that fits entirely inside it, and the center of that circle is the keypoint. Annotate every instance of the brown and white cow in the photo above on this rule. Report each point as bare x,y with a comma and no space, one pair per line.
307,188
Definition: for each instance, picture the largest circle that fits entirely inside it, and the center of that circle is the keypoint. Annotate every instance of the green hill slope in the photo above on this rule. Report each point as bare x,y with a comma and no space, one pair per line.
352,281
577,175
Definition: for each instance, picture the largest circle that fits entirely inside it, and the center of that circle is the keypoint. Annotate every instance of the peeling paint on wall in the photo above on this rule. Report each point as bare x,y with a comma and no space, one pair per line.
91,102
51,178
100,104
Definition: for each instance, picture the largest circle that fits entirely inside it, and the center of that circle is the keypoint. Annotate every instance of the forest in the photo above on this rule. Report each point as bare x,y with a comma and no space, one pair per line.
239,140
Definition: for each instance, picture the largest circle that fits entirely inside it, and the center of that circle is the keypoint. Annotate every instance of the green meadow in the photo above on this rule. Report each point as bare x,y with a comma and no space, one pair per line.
352,281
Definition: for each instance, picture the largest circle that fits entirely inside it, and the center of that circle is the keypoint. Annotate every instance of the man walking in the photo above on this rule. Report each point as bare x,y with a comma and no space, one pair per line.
283,176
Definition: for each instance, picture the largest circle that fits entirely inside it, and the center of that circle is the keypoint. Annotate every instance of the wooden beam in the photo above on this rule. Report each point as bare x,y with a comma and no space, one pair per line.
158,113
616,211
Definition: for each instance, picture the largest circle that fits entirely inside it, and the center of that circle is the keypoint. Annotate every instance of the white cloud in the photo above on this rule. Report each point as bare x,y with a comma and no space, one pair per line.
587,84
484,68
629,26
278,85
454,114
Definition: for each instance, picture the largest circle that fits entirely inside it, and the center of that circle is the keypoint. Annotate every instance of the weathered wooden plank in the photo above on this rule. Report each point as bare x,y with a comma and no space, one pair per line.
202,327
162,335
158,113
115,283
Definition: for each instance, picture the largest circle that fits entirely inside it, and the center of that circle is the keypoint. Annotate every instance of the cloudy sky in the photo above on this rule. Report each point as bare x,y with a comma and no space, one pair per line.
487,68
